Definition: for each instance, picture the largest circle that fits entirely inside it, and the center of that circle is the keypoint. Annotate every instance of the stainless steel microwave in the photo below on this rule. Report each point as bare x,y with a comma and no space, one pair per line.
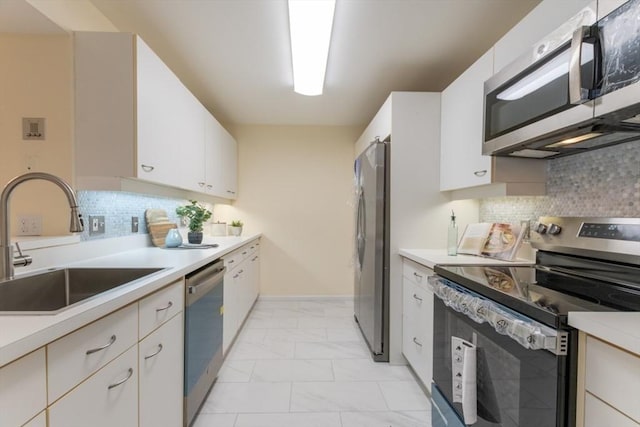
577,89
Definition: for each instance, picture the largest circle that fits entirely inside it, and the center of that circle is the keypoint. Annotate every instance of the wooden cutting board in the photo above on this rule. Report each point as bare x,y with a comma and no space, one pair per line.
159,232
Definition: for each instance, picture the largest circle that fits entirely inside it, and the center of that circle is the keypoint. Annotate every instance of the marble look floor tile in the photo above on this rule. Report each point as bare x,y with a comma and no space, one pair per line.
273,322
251,335
323,419
215,420
268,349
386,419
236,371
340,335
332,396
297,335
330,350
404,396
247,398
345,322
368,370
338,312
292,370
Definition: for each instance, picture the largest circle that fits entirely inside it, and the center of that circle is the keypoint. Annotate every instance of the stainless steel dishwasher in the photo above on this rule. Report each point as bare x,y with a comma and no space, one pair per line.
202,334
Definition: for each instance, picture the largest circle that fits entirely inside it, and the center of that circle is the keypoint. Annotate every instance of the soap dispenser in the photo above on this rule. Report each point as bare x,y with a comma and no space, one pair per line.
452,236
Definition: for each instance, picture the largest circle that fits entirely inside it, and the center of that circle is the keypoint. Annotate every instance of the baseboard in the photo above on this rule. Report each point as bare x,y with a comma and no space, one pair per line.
305,297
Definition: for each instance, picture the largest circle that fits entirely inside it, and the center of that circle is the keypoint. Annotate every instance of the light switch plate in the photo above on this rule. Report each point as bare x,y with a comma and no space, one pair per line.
96,224
33,128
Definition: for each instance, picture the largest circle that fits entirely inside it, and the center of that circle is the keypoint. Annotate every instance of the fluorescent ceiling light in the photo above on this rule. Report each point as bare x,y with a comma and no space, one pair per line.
310,23
550,71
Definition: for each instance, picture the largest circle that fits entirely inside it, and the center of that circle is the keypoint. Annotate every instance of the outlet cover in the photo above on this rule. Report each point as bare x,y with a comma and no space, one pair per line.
96,224
32,128
29,225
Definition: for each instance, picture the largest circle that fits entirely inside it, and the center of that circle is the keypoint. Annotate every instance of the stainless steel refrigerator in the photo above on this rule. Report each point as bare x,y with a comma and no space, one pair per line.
371,293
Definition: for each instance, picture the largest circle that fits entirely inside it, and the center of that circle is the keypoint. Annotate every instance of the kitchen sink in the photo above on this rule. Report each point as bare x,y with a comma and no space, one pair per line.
53,291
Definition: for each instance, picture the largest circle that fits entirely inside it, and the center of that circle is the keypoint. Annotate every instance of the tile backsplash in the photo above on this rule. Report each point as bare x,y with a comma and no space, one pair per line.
119,207
603,182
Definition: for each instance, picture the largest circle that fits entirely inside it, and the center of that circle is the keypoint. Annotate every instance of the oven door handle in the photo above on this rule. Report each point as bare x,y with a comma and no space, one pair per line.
528,333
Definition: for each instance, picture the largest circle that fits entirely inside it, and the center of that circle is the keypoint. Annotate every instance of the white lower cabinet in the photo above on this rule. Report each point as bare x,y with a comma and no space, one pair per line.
417,321
241,287
160,361
23,389
599,414
106,399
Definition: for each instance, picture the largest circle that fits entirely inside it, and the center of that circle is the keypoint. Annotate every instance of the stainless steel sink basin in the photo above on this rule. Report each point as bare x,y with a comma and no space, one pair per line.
53,291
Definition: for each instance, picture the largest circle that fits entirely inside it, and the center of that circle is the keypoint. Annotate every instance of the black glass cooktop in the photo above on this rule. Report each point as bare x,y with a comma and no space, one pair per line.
557,285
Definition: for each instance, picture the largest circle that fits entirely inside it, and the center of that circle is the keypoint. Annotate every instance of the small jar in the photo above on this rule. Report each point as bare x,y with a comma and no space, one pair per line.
173,238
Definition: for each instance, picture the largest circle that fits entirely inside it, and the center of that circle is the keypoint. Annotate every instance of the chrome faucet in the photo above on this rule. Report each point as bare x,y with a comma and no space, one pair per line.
6,249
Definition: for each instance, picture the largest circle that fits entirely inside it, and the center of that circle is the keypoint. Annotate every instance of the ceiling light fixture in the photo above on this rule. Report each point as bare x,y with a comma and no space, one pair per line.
310,23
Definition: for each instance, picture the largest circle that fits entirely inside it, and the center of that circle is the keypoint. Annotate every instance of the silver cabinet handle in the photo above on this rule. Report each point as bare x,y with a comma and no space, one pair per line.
166,307
147,168
480,173
154,353
241,271
417,297
201,184
122,381
107,345
255,258
419,276
209,186
236,276
231,261
244,252
416,342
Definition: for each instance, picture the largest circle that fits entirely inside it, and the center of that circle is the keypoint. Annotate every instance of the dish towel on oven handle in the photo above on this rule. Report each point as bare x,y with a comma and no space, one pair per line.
463,370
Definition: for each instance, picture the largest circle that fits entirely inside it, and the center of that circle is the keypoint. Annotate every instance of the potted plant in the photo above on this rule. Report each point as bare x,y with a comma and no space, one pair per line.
197,215
235,229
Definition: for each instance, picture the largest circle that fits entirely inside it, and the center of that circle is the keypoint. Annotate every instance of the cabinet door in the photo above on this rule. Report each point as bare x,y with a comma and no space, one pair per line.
214,175
255,276
107,399
462,164
229,156
417,335
231,308
161,375
23,389
170,130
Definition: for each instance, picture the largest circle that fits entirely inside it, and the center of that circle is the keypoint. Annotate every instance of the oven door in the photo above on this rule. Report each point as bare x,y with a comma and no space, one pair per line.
510,385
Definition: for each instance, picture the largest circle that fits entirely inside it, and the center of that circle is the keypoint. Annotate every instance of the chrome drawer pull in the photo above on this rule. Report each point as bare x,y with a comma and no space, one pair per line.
480,173
417,275
244,252
154,354
167,307
107,345
122,381
417,297
147,168
201,184
416,342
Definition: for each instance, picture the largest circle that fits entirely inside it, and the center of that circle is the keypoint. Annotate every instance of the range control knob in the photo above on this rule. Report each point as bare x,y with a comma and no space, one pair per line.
554,229
540,228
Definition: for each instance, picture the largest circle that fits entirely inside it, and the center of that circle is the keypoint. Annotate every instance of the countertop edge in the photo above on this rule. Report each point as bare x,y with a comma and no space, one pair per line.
94,309
621,329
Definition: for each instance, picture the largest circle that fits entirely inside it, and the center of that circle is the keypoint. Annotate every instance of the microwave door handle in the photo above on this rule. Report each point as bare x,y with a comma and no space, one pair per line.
577,93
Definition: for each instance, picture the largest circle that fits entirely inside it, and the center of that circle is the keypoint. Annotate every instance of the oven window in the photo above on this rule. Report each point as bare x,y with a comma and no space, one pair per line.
515,387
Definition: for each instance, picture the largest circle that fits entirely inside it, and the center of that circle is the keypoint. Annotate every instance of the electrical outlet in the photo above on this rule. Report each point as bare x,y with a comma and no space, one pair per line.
96,224
29,225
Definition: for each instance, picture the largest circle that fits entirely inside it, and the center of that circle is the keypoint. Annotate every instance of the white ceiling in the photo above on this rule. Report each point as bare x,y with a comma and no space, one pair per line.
234,54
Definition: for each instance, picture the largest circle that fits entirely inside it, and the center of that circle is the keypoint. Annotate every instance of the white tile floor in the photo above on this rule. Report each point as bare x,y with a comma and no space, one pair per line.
305,364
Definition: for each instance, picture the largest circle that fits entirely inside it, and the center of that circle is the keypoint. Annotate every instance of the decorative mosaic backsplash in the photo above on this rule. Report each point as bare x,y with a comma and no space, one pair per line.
604,182
119,207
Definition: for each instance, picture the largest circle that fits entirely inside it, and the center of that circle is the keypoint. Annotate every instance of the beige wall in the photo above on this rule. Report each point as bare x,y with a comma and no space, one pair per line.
295,186
36,81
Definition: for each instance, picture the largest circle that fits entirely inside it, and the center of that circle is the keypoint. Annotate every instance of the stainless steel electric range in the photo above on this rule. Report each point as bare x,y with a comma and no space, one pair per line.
504,354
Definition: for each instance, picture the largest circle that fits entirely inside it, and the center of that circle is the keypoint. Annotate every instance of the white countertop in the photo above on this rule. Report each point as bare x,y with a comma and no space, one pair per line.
21,334
431,257
621,329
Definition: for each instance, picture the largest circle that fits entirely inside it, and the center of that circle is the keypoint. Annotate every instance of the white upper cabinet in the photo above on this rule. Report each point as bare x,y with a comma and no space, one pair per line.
545,18
221,160
462,165
135,119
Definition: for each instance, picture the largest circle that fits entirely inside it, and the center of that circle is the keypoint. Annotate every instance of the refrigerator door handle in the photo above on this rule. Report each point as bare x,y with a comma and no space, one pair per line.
361,228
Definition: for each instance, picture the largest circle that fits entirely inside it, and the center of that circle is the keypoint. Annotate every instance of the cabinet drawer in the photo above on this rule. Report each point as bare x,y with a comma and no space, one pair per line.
161,375
417,334
599,414
613,375
416,273
233,259
107,399
159,307
23,389
74,357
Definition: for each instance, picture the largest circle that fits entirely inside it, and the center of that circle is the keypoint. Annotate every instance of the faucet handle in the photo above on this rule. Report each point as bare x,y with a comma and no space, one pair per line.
21,260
